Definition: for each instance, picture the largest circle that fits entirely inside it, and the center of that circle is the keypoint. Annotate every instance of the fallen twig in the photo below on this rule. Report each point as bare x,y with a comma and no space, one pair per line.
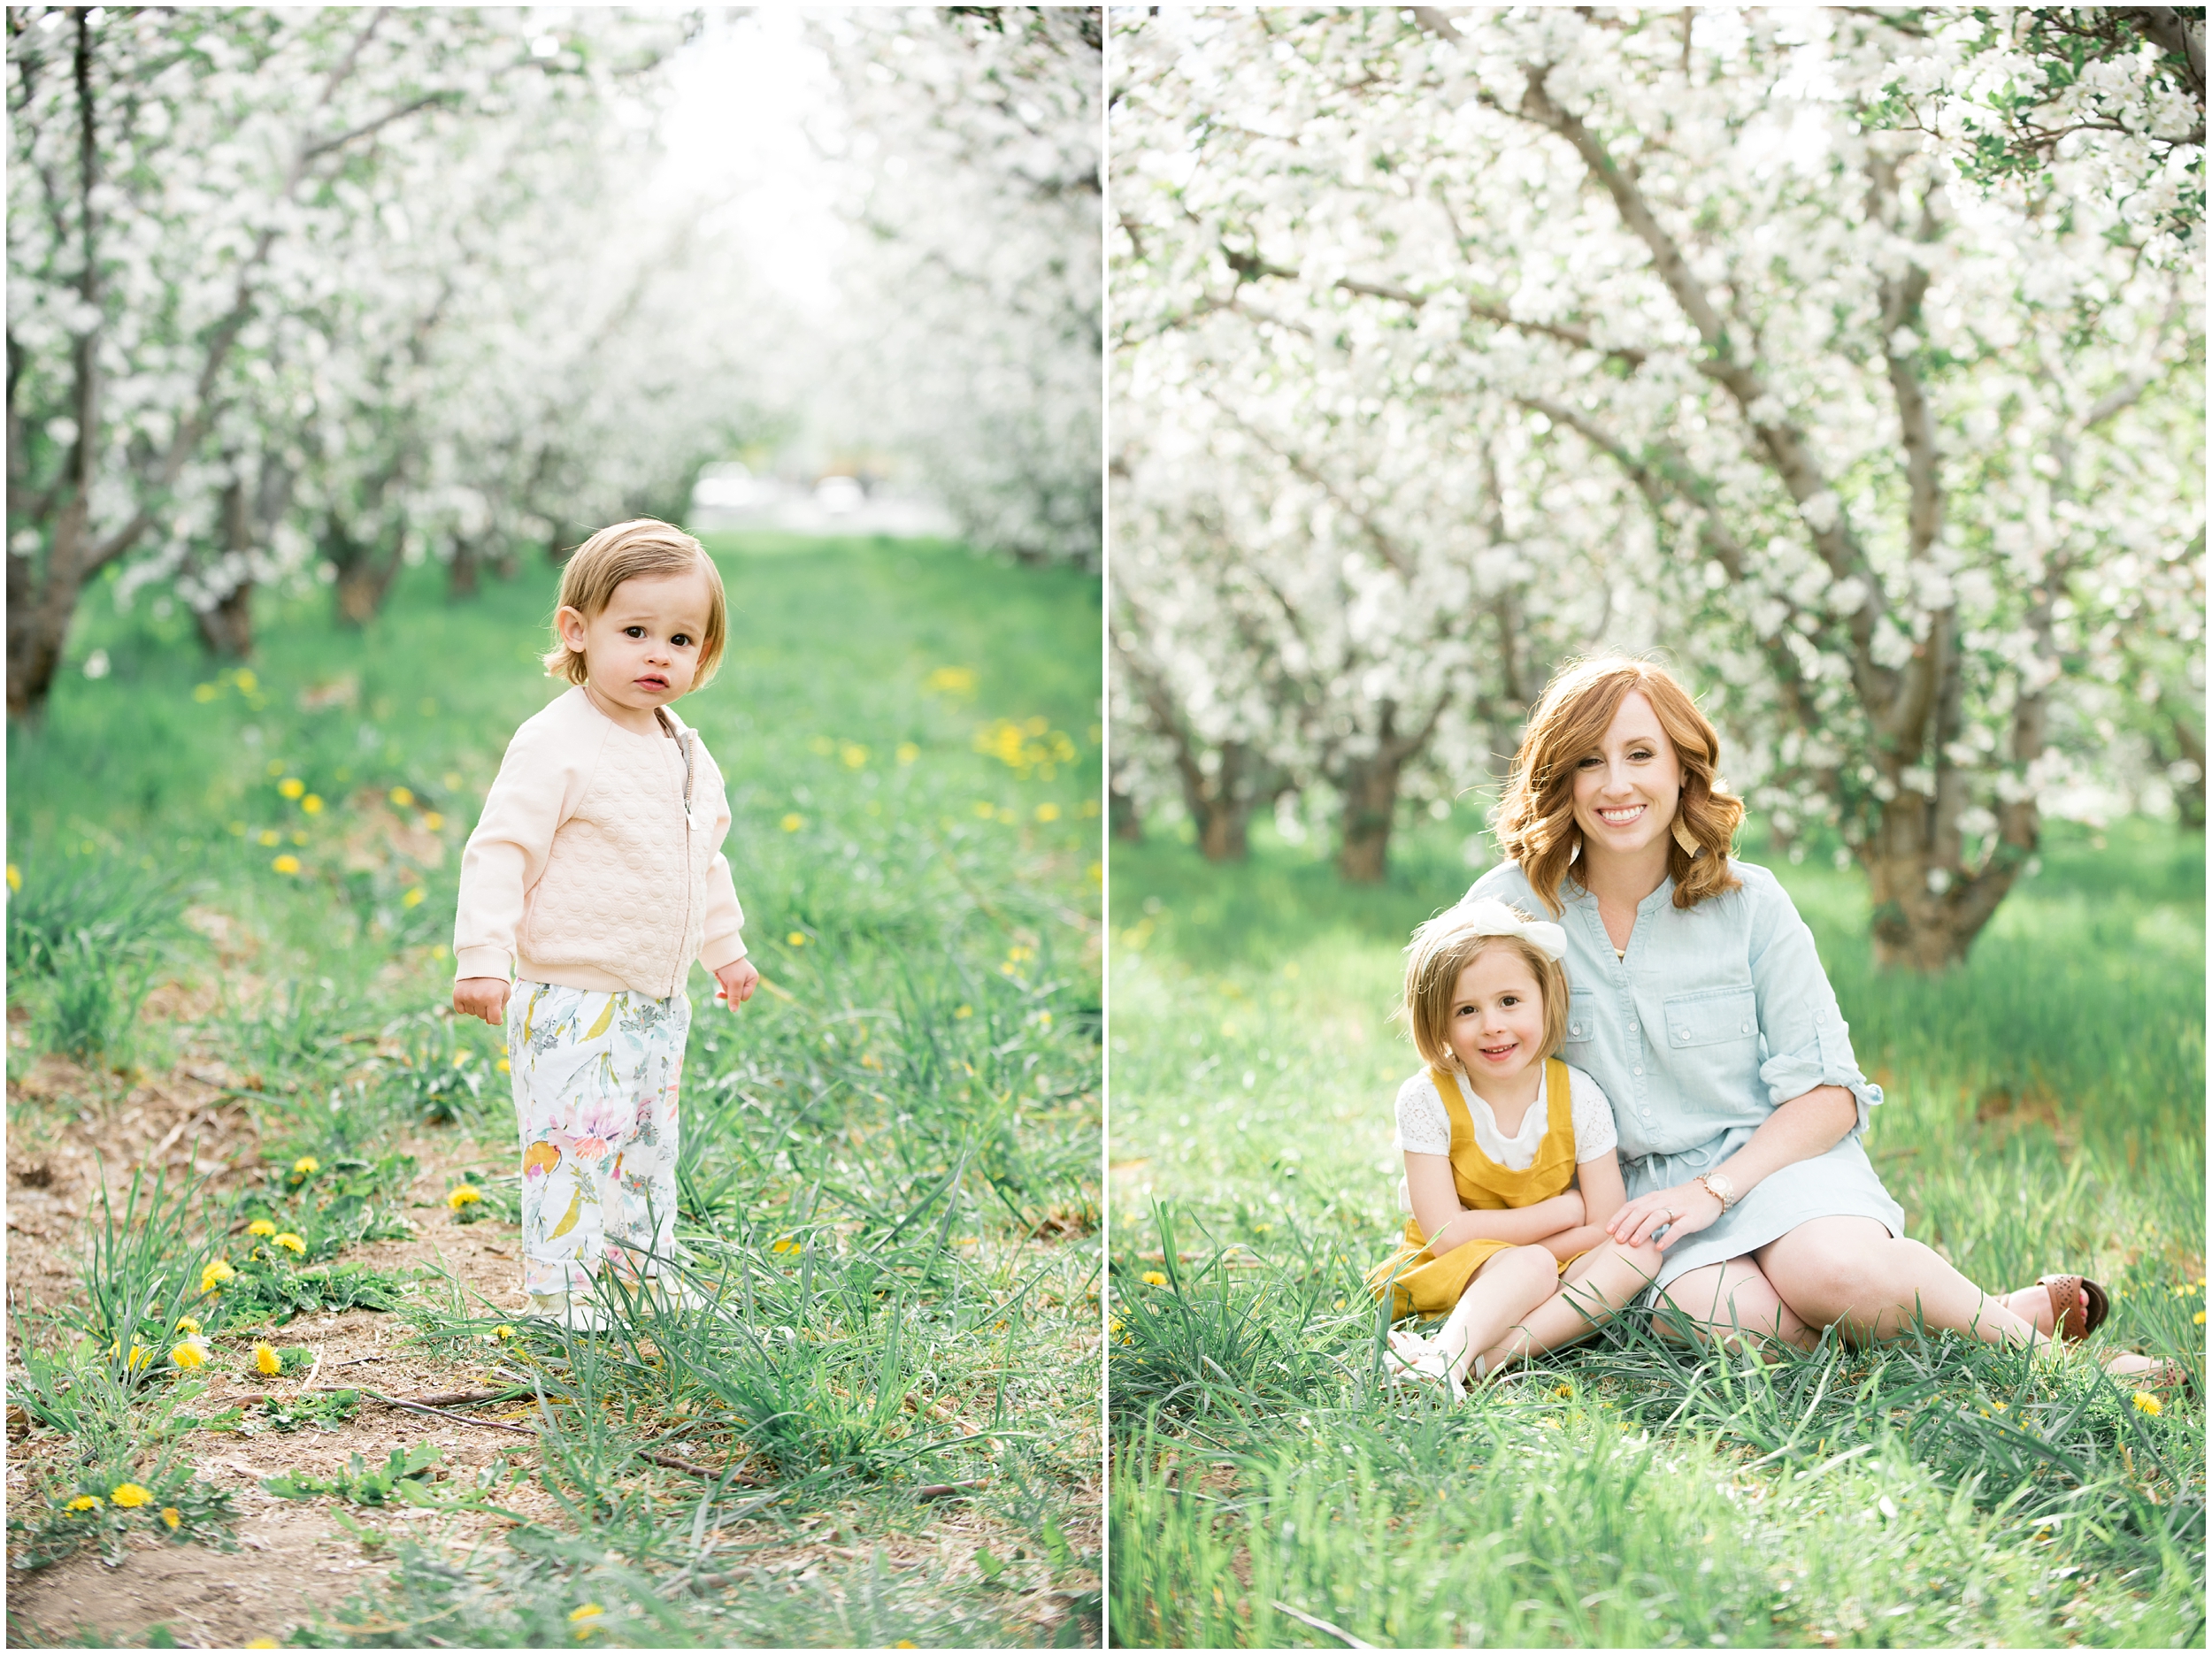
947,1490
1319,1625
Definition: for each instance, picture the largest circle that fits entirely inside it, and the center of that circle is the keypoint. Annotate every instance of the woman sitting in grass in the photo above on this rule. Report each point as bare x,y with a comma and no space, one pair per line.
1700,1006
1510,1174
596,874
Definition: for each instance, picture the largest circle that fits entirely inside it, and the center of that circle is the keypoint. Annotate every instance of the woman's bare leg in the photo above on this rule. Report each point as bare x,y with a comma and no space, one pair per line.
1597,1287
1725,1302
1503,1292
1852,1271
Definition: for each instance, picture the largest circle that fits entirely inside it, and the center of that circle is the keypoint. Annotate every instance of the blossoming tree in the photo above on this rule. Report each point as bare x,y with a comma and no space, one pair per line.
1920,456
969,143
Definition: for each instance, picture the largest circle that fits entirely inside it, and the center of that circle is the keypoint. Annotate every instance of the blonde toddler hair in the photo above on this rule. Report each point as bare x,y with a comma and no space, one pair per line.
1448,945
644,546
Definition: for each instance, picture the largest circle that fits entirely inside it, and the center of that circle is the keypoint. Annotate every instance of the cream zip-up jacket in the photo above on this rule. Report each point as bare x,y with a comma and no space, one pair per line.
597,863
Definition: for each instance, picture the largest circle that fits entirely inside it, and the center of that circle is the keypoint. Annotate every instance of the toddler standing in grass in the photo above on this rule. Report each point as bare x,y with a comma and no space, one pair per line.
595,874
1510,1167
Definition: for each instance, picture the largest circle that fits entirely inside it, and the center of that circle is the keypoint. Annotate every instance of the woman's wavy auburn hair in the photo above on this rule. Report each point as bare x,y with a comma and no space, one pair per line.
624,551
1446,945
1535,823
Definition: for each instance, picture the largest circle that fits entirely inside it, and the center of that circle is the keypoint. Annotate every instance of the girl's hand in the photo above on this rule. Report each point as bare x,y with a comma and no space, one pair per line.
484,997
1689,1208
738,980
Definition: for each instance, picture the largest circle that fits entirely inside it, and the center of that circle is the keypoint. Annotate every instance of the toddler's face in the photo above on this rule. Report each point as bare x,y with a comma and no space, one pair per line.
1497,1021
641,651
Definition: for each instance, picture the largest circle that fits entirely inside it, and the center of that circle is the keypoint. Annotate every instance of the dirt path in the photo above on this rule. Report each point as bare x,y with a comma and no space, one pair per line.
294,1563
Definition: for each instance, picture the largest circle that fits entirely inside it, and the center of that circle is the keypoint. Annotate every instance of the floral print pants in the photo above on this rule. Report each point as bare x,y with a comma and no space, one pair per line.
594,1077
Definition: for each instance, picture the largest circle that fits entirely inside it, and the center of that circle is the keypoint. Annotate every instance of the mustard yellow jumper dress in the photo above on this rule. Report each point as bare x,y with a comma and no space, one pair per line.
1420,1284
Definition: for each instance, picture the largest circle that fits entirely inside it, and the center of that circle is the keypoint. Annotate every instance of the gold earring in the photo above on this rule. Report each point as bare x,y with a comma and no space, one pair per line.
1686,840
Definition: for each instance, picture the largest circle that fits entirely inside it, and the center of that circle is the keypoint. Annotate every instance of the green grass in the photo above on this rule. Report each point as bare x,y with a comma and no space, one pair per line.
2046,1111
889,1158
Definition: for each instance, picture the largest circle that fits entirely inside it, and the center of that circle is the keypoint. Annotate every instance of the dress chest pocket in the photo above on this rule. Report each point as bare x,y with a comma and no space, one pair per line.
1712,1016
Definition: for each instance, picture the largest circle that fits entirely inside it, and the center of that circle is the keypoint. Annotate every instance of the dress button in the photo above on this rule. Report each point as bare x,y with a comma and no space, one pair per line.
1681,1034
1631,1028
1639,1069
1746,1028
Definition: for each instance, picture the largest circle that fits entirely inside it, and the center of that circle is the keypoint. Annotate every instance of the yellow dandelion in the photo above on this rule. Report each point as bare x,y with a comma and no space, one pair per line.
907,752
139,1355
15,878
402,797
853,756
287,863
786,1244
312,804
506,1068
261,1643
267,1360
432,820
1153,1279
2145,1402
306,1167
413,899
246,681
216,1272
792,821
964,1011
188,1355
187,1324
502,1334
291,1243
463,1195
1562,1391
130,1496
2199,1318
291,786
270,836
585,1612
906,1644
171,1515
86,1502
1047,812
261,1227
204,692
985,809
797,940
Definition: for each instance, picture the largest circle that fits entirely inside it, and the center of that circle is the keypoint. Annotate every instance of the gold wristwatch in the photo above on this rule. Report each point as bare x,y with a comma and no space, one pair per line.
1718,1188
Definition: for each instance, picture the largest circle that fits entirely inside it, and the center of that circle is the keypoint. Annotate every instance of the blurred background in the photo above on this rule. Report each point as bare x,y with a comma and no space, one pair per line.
315,297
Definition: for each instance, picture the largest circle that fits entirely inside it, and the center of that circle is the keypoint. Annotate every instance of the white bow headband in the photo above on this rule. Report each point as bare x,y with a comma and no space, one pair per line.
1486,916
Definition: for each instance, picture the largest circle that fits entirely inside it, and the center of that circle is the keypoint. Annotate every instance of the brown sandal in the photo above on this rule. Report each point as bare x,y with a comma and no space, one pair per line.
2078,1305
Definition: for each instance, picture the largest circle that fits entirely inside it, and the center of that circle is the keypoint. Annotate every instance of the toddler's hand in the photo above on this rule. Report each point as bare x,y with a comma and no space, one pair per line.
484,997
738,979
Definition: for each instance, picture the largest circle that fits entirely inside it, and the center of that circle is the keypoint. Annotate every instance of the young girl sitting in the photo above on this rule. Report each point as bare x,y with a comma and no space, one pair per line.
1511,1171
596,874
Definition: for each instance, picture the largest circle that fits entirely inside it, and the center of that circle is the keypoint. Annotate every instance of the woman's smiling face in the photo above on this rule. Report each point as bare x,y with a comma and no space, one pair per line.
1625,793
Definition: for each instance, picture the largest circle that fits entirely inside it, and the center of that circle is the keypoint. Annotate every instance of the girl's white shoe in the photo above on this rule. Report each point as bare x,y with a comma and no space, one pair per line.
1408,1369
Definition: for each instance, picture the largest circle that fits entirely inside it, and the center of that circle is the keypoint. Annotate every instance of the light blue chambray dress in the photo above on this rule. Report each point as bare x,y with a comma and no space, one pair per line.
1719,1014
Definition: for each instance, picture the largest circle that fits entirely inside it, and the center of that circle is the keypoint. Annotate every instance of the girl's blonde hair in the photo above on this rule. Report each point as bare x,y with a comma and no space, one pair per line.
1535,823
644,546
1445,947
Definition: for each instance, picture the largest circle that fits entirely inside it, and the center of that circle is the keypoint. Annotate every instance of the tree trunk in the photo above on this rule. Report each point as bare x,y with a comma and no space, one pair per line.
1925,915
1221,803
40,609
1369,787
365,571
227,628
462,573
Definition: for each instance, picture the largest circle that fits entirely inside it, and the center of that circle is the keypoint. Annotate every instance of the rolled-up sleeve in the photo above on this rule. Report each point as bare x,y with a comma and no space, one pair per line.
1807,1042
